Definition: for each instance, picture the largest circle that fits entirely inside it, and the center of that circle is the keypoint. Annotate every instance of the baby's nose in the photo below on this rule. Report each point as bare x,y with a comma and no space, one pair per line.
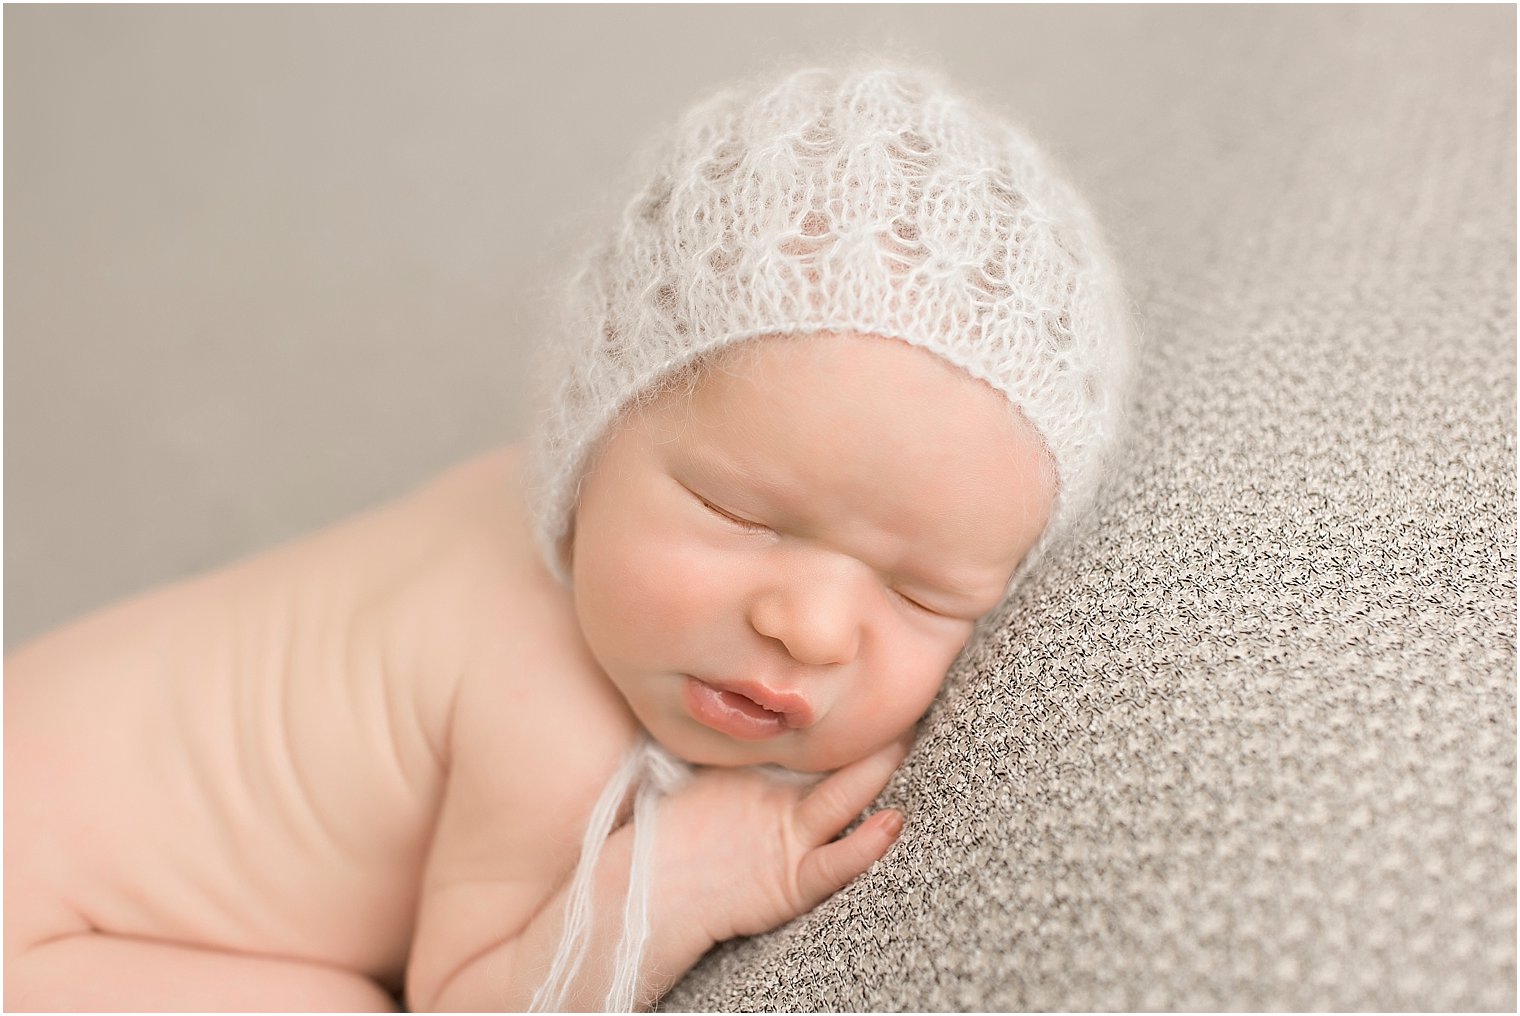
816,618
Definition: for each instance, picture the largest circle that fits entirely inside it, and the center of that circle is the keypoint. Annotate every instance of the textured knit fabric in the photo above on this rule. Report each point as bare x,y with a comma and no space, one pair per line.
867,199
1249,744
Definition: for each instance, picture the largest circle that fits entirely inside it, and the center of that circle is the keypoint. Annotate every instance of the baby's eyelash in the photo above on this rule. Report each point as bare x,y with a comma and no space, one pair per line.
745,524
914,603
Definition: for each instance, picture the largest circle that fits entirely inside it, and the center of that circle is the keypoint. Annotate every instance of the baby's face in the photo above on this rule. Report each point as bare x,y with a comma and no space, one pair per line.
815,532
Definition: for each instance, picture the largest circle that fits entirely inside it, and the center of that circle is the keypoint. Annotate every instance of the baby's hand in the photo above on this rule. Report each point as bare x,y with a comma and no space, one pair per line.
754,852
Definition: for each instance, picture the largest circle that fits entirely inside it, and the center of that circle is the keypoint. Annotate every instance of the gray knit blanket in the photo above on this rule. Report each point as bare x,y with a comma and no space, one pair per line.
1249,743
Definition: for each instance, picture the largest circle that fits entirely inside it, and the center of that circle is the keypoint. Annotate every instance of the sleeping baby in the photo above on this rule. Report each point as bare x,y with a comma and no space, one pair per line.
544,730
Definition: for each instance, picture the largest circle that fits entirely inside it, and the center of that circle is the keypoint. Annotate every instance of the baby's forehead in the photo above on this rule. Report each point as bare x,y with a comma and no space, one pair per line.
883,392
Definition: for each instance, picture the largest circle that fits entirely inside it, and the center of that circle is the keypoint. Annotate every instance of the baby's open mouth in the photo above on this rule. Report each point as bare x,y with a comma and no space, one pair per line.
749,705
740,715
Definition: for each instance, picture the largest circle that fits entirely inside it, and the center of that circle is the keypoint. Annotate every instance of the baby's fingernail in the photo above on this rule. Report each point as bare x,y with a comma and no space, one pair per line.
892,825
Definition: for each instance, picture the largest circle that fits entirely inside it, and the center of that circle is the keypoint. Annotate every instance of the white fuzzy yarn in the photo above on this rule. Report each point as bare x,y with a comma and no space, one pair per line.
872,200
655,772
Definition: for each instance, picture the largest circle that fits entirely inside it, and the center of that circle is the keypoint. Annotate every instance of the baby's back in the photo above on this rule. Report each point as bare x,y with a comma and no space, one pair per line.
253,760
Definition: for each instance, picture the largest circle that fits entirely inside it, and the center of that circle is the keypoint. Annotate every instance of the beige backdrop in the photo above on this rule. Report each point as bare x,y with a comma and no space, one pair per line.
267,266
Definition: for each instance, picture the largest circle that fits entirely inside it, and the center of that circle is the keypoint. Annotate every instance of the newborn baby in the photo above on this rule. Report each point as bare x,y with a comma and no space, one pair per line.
847,367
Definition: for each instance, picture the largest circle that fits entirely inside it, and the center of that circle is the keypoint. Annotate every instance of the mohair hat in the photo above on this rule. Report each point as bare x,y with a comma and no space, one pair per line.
870,199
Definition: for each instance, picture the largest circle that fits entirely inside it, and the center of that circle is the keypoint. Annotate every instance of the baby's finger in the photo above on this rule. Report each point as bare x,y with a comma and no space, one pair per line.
827,869
836,801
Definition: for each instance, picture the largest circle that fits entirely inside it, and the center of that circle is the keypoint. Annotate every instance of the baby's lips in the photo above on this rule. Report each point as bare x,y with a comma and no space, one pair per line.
799,712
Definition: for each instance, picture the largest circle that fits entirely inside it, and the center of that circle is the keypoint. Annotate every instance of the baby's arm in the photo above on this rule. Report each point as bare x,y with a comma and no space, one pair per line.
737,853
507,965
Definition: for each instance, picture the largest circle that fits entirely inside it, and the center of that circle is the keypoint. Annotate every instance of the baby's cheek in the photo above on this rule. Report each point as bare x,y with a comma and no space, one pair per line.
916,685
672,574
655,585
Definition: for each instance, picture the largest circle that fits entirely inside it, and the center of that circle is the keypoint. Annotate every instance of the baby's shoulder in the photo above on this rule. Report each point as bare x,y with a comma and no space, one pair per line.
535,728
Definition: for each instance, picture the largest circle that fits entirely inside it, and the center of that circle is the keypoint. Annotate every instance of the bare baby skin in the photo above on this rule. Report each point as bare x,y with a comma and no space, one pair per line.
359,765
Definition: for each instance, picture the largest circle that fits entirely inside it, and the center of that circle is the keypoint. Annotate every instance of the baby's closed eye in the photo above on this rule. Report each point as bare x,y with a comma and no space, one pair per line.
742,523
750,526
914,603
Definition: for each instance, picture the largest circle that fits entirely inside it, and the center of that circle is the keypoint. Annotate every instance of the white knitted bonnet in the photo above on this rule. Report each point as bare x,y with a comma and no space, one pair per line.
871,199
